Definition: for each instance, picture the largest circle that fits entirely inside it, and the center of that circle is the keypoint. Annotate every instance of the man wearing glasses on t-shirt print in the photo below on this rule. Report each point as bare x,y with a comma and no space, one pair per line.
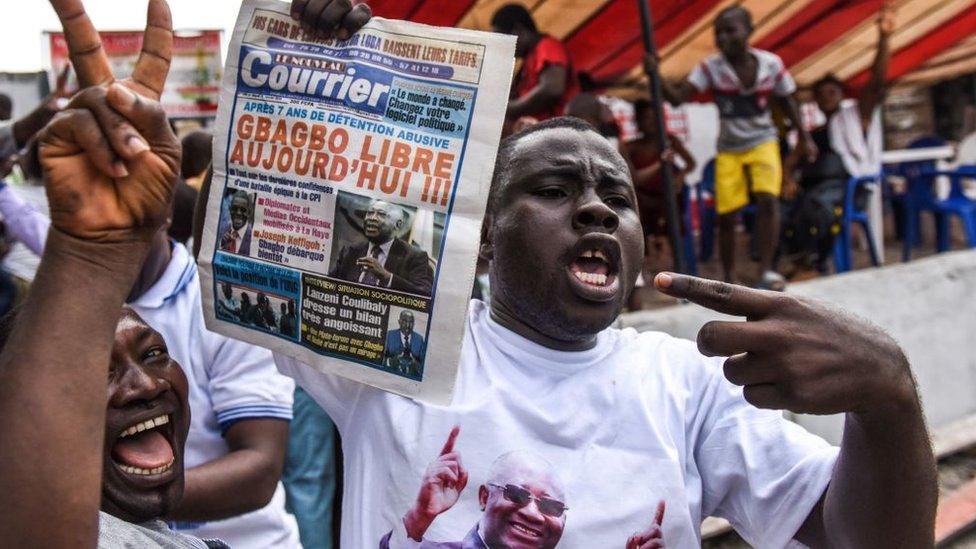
523,504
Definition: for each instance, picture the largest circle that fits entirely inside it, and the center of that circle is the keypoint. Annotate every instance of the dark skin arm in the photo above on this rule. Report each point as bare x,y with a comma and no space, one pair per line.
644,176
876,89
792,111
110,163
551,87
675,93
256,458
28,126
804,356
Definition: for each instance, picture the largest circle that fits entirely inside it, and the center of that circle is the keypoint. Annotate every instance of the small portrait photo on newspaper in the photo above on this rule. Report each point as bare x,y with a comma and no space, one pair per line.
236,221
405,344
381,243
257,309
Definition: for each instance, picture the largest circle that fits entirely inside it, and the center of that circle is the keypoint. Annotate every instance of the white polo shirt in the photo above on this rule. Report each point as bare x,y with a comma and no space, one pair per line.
229,381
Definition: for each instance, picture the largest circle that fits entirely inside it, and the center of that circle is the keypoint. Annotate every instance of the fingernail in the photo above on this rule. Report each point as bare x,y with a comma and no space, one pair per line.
136,144
120,170
663,280
343,34
124,95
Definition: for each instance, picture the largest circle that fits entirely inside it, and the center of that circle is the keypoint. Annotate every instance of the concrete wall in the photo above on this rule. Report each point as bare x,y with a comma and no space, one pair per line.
928,306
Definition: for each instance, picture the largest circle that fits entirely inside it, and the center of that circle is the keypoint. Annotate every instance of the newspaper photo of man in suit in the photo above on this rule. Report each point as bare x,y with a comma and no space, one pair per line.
237,238
405,347
385,260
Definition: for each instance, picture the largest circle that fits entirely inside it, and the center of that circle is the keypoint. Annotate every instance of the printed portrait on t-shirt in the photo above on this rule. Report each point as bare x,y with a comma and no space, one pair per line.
523,502
236,221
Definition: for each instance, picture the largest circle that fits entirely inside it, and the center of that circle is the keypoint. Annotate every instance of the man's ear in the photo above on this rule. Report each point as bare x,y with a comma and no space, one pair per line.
486,251
483,496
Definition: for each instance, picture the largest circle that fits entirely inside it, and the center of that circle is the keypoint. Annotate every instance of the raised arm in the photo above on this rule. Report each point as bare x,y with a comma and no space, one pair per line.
803,356
110,163
675,93
792,111
551,87
874,92
28,126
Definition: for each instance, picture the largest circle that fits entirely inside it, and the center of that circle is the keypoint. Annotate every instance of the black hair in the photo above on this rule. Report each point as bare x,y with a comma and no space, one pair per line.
642,105
503,161
197,153
737,11
828,80
7,323
510,16
6,104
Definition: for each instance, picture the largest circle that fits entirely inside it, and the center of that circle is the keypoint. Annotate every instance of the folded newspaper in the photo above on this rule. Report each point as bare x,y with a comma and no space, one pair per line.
350,181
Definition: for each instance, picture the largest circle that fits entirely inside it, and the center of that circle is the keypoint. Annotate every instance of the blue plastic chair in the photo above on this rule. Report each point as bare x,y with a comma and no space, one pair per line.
957,203
850,216
918,197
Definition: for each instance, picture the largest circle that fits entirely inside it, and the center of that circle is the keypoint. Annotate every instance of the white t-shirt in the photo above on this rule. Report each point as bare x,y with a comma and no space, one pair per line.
229,381
640,418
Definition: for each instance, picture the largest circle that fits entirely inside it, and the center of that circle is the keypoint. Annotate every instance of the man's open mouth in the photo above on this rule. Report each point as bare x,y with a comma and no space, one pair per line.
526,530
145,448
595,267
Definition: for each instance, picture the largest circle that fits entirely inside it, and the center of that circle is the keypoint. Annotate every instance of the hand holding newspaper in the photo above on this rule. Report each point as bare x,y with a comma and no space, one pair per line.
350,181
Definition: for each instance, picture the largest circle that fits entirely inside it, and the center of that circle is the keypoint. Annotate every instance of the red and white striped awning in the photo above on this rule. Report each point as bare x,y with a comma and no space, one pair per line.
934,39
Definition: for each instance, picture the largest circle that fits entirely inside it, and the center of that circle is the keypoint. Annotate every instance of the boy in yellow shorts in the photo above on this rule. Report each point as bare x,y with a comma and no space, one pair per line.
743,80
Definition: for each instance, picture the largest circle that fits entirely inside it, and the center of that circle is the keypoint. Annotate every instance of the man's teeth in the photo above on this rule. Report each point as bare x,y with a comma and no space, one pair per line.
148,424
140,471
595,279
595,253
525,530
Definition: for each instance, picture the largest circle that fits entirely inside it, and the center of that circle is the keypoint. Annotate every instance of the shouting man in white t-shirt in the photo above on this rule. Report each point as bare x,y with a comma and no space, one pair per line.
632,419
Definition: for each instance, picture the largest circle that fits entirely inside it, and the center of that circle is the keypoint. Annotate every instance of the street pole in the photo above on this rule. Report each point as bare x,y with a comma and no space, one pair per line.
667,176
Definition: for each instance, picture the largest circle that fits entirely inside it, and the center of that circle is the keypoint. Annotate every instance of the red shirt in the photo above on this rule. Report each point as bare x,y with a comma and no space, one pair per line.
548,51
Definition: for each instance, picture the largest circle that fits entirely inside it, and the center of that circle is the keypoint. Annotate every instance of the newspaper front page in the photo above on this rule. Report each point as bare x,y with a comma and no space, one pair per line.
350,181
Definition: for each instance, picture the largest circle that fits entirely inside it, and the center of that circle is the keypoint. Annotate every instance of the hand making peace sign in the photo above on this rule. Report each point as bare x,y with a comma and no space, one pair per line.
110,159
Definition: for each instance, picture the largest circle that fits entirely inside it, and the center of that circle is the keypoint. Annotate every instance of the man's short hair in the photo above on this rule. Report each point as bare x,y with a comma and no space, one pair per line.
197,153
512,15
642,105
737,11
6,105
503,161
828,80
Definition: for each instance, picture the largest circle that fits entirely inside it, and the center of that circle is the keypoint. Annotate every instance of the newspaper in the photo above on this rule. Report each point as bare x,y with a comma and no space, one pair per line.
350,181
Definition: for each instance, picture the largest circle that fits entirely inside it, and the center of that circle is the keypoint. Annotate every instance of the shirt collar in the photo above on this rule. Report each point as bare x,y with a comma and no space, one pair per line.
385,247
178,274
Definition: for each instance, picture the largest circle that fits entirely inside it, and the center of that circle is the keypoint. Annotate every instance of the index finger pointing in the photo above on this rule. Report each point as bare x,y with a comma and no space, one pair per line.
84,44
659,515
725,298
157,49
449,445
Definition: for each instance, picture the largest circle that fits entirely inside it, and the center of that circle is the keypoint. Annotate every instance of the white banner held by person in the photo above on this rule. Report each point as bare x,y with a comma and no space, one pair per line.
331,157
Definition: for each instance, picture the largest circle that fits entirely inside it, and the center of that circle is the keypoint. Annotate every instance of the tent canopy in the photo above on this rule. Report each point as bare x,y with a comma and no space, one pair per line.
933,38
